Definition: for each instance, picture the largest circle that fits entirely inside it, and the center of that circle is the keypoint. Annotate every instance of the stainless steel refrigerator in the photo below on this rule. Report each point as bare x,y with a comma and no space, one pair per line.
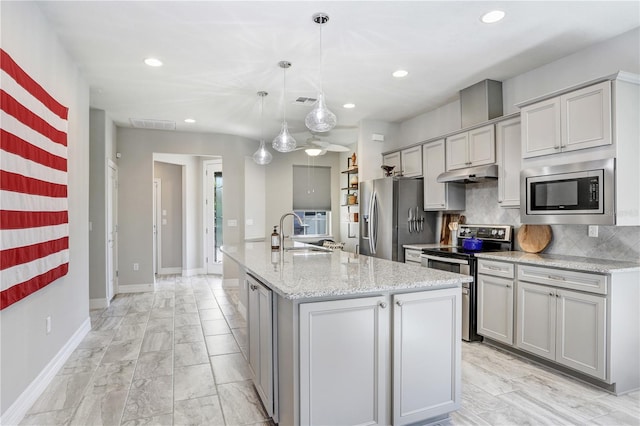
392,215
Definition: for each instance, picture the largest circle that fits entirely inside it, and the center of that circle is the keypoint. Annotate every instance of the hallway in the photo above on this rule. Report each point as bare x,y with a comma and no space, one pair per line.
173,357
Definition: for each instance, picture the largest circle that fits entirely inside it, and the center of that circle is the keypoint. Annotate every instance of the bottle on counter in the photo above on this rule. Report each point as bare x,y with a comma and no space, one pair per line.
275,239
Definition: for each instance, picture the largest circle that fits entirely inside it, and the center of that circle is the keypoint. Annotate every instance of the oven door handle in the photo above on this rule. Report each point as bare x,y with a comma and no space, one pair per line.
445,259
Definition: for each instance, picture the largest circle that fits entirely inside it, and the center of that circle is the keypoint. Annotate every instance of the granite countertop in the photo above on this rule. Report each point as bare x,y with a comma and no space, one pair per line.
301,275
583,264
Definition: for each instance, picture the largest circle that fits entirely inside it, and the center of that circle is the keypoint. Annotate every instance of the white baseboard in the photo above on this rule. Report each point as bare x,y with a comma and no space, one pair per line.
16,412
135,288
192,272
98,303
169,271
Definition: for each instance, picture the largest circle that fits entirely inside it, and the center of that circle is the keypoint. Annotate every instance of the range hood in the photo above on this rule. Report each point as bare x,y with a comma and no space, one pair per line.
470,174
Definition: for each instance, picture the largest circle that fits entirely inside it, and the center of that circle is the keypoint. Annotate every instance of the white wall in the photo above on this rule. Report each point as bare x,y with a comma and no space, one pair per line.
25,348
370,151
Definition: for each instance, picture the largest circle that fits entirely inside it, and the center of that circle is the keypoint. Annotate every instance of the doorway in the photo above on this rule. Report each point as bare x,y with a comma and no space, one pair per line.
213,216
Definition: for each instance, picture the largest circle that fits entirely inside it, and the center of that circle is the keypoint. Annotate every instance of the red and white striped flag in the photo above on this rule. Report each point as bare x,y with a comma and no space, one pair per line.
34,220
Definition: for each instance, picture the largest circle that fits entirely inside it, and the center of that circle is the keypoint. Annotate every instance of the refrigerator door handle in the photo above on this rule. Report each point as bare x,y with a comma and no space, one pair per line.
373,234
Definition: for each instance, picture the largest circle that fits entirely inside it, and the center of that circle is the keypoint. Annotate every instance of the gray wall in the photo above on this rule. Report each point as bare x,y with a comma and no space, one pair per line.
102,149
279,187
135,208
25,348
171,223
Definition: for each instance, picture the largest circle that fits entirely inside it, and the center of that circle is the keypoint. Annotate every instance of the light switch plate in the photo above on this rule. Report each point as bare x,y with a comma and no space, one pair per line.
593,230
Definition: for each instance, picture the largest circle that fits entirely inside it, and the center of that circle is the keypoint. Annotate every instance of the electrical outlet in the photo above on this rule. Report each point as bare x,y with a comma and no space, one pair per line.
47,322
593,230
136,266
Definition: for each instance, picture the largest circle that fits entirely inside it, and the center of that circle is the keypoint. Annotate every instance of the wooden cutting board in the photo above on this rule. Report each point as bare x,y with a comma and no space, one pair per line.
534,238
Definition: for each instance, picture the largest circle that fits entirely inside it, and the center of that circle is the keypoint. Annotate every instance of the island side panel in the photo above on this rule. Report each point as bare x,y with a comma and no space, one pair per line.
287,396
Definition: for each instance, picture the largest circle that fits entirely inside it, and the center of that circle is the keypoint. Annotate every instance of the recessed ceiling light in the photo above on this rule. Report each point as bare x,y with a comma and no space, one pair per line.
400,73
153,62
189,120
349,105
492,17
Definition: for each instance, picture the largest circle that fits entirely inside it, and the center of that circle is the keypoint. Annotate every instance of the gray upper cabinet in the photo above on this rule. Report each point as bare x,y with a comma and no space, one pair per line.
575,120
473,148
411,161
439,196
393,159
508,147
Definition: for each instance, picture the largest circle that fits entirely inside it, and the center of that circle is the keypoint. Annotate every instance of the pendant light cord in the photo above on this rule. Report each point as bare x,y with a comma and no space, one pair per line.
321,61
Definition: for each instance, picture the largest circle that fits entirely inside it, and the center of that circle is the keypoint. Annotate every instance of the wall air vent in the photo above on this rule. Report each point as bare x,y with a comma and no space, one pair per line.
144,123
305,101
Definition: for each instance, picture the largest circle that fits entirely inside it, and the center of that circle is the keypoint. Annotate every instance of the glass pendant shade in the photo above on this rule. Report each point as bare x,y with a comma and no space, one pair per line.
320,119
262,156
284,142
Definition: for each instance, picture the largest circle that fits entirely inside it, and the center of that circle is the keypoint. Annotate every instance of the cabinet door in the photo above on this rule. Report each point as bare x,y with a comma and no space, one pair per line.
343,362
586,117
426,382
393,159
495,308
433,165
261,341
536,320
482,146
580,337
541,128
411,160
457,151
509,162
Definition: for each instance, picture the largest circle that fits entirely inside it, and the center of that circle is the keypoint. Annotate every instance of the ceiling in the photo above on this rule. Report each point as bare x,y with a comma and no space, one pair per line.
218,54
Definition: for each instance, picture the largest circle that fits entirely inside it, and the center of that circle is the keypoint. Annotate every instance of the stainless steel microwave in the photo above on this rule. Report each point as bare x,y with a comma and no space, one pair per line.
577,193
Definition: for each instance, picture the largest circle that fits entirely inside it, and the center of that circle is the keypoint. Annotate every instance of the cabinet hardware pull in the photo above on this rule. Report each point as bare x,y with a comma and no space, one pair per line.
399,303
556,277
557,295
508,285
253,287
550,294
382,305
494,268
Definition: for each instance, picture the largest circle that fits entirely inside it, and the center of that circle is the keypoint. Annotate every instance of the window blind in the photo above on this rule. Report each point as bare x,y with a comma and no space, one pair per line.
311,188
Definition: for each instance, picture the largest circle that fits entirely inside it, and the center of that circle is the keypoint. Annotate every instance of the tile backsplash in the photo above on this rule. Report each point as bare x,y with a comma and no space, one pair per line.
613,242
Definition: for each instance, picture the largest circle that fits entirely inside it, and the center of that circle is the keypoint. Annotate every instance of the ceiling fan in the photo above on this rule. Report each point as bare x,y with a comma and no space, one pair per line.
314,146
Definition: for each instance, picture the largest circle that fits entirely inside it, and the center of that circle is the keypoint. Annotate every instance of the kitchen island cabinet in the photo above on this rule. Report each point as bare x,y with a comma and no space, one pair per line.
357,339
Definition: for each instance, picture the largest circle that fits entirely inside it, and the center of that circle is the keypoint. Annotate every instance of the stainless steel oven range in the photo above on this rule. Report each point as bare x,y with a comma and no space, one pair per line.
457,259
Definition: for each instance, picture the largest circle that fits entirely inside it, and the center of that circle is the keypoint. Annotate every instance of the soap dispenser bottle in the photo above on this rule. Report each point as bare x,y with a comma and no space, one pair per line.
275,239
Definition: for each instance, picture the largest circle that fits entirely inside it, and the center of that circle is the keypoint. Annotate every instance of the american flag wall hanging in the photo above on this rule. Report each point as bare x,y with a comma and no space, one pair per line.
34,219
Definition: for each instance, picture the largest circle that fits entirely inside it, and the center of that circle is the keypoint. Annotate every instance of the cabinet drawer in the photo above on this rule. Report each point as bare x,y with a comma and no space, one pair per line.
592,283
412,256
498,269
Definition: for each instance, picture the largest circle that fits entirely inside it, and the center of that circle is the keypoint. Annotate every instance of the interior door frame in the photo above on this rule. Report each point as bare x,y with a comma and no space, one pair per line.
157,221
208,188
111,252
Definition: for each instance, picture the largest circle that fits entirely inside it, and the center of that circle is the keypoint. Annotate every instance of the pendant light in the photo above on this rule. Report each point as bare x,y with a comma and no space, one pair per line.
320,119
262,156
284,142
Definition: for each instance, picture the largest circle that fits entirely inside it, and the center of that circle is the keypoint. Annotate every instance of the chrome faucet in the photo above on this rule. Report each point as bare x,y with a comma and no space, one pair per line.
282,229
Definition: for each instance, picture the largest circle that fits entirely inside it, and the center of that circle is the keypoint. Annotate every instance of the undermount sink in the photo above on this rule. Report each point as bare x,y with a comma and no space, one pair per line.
308,250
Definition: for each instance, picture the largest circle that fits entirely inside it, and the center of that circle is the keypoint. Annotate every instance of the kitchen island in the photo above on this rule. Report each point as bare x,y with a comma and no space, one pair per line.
338,338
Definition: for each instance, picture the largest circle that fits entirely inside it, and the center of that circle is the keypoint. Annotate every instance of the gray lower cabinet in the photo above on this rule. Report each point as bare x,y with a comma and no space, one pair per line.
260,330
495,308
562,325
348,354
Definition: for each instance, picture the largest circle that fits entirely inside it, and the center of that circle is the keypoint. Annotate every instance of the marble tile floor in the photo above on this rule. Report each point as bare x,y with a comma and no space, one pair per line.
173,357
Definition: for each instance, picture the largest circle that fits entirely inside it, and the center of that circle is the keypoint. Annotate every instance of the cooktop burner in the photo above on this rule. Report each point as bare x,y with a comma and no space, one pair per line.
494,238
